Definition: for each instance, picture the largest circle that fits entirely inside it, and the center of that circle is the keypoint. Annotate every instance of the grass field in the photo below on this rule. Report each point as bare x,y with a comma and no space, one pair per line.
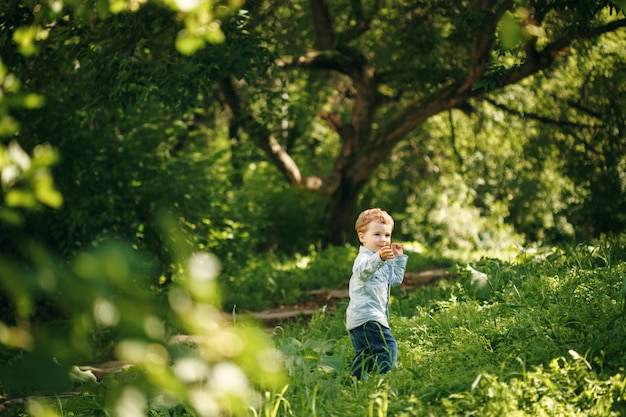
541,335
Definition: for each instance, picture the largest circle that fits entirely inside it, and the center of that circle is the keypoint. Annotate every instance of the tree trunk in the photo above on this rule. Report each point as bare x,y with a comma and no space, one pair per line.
338,226
341,210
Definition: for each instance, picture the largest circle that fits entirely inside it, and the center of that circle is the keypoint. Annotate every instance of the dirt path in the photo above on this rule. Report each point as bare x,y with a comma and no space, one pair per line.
329,299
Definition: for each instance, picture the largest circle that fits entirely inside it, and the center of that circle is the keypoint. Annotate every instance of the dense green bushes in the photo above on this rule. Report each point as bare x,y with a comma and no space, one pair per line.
273,280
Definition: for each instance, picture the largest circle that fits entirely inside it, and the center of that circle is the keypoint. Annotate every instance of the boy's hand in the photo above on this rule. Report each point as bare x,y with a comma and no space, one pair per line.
397,249
385,253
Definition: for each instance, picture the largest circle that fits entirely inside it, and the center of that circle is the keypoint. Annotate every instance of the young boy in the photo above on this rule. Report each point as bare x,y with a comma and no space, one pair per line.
379,265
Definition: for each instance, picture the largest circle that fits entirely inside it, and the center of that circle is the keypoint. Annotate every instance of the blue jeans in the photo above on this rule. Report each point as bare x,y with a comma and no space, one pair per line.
376,349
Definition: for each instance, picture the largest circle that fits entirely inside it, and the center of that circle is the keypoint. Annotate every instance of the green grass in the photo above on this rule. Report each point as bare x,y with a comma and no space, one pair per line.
542,335
545,335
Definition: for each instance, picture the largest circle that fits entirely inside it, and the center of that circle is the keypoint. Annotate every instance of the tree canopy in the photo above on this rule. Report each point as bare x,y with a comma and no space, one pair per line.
380,72
513,105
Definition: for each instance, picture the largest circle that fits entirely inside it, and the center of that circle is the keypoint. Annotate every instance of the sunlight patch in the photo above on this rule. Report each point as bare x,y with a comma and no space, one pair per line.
132,403
105,312
191,370
229,378
188,5
204,266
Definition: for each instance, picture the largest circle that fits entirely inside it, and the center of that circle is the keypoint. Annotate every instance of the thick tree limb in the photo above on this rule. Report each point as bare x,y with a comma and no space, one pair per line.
539,60
480,53
330,60
269,145
454,96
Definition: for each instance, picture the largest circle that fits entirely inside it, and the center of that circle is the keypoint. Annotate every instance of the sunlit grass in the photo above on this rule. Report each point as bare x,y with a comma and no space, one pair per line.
547,338
544,334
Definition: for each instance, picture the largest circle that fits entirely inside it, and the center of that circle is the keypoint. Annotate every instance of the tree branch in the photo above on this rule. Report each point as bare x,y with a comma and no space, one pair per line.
566,125
537,117
455,95
322,60
269,145
323,25
353,64
480,53
542,59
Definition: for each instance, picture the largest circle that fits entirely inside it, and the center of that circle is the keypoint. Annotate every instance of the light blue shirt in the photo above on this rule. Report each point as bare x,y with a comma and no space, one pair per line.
370,284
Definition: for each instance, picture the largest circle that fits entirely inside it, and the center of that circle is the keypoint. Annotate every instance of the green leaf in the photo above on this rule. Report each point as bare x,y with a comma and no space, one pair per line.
25,38
12,217
8,125
45,192
20,198
117,6
510,32
102,8
215,34
188,44
28,101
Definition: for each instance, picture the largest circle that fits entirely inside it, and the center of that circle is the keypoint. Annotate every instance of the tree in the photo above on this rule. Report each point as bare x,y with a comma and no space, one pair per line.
119,108
380,72
107,292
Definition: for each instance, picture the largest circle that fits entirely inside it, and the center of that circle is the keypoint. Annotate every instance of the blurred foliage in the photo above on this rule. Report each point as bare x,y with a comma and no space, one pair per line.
26,181
103,305
127,151
104,302
106,295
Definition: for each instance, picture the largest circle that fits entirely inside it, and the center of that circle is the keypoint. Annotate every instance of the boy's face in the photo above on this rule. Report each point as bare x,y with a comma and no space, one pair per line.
376,236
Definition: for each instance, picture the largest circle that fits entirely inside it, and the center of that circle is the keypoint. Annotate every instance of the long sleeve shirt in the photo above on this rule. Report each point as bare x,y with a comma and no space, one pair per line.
370,285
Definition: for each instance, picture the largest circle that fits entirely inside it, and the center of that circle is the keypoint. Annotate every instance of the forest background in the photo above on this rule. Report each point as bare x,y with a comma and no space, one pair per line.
146,143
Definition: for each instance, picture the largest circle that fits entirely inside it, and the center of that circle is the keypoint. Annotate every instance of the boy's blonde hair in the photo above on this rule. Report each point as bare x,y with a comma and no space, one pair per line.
371,215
